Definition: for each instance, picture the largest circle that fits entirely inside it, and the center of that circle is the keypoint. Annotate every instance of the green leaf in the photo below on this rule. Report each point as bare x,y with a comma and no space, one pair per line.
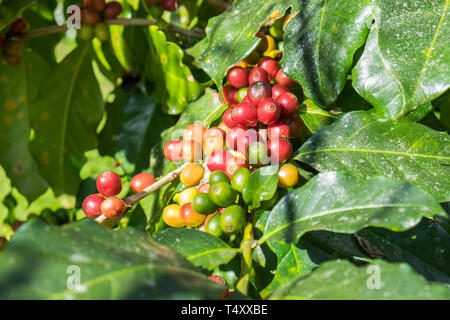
319,44
10,9
24,209
96,164
314,117
262,185
19,86
110,264
341,203
231,34
342,280
175,85
426,248
65,116
360,145
406,60
201,248
5,189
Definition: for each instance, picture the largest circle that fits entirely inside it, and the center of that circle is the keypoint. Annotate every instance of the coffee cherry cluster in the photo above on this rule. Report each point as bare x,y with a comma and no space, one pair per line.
92,14
11,44
109,185
168,5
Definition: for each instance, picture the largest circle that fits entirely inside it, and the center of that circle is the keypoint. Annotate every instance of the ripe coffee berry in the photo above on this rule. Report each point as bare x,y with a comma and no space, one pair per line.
18,26
190,217
225,294
112,207
278,130
278,89
192,174
288,103
13,46
194,132
269,65
171,216
192,151
228,119
223,126
214,132
287,176
245,114
238,77
234,164
169,5
112,9
173,150
258,91
91,205
295,126
258,74
218,160
2,40
141,181
279,150
90,16
283,79
203,188
109,184
268,111
230,95
97,5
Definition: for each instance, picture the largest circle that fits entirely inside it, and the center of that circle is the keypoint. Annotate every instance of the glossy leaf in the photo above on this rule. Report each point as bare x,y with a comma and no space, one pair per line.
175,84
201,248
262,185
110,264
406,62
319,44
231,34
426,248
19,86
65,120
362,146
314,117
377,281
341,203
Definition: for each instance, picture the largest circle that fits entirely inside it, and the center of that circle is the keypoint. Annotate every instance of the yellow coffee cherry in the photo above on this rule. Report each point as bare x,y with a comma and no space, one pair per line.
192,174
187,195
272,54
287,18
172,217
287,176
271,43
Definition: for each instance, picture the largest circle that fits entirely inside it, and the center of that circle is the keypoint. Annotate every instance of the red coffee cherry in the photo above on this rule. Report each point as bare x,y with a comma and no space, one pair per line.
279,150
258,74
2,40
278,130
203,188
245,114
223,126
141,181
18,26
91,205
230,95
192,151
218,159
258,91
169,5
195,132
269,65
295,124
228,119
284,80
112,9
190,217
109,184
234,136
239,139
218,280
233,164
278,89
90,16
268,111
288,103
173,150
112,207
238,77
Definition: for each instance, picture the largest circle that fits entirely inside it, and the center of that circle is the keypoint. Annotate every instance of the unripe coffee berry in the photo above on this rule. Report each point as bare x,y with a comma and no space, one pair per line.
214,132
195,132
192,174
258,74
287,176
112,9
173,150
284,80
238,77
245,114
241,94
187,195
212,144
91,205
233,165
109,184
172,217
190,217
112,207
141,181
192,151
101,32
268,111
288,103
258,91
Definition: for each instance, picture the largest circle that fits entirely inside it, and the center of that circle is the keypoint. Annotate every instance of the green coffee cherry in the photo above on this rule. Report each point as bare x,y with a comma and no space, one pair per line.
240,179
101,32
232,220
86,32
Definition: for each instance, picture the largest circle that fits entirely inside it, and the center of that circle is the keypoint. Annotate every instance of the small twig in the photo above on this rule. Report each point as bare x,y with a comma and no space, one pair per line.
130,201
43,32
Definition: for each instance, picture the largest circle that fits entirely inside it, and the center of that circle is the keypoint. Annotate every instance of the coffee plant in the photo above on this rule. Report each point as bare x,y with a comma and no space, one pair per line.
218,149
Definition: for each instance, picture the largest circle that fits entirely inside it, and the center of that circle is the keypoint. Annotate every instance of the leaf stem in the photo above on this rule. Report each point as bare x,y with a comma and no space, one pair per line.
130,201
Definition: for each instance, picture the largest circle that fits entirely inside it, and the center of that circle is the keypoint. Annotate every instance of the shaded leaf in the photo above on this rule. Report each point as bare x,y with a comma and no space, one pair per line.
360,145
314,117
